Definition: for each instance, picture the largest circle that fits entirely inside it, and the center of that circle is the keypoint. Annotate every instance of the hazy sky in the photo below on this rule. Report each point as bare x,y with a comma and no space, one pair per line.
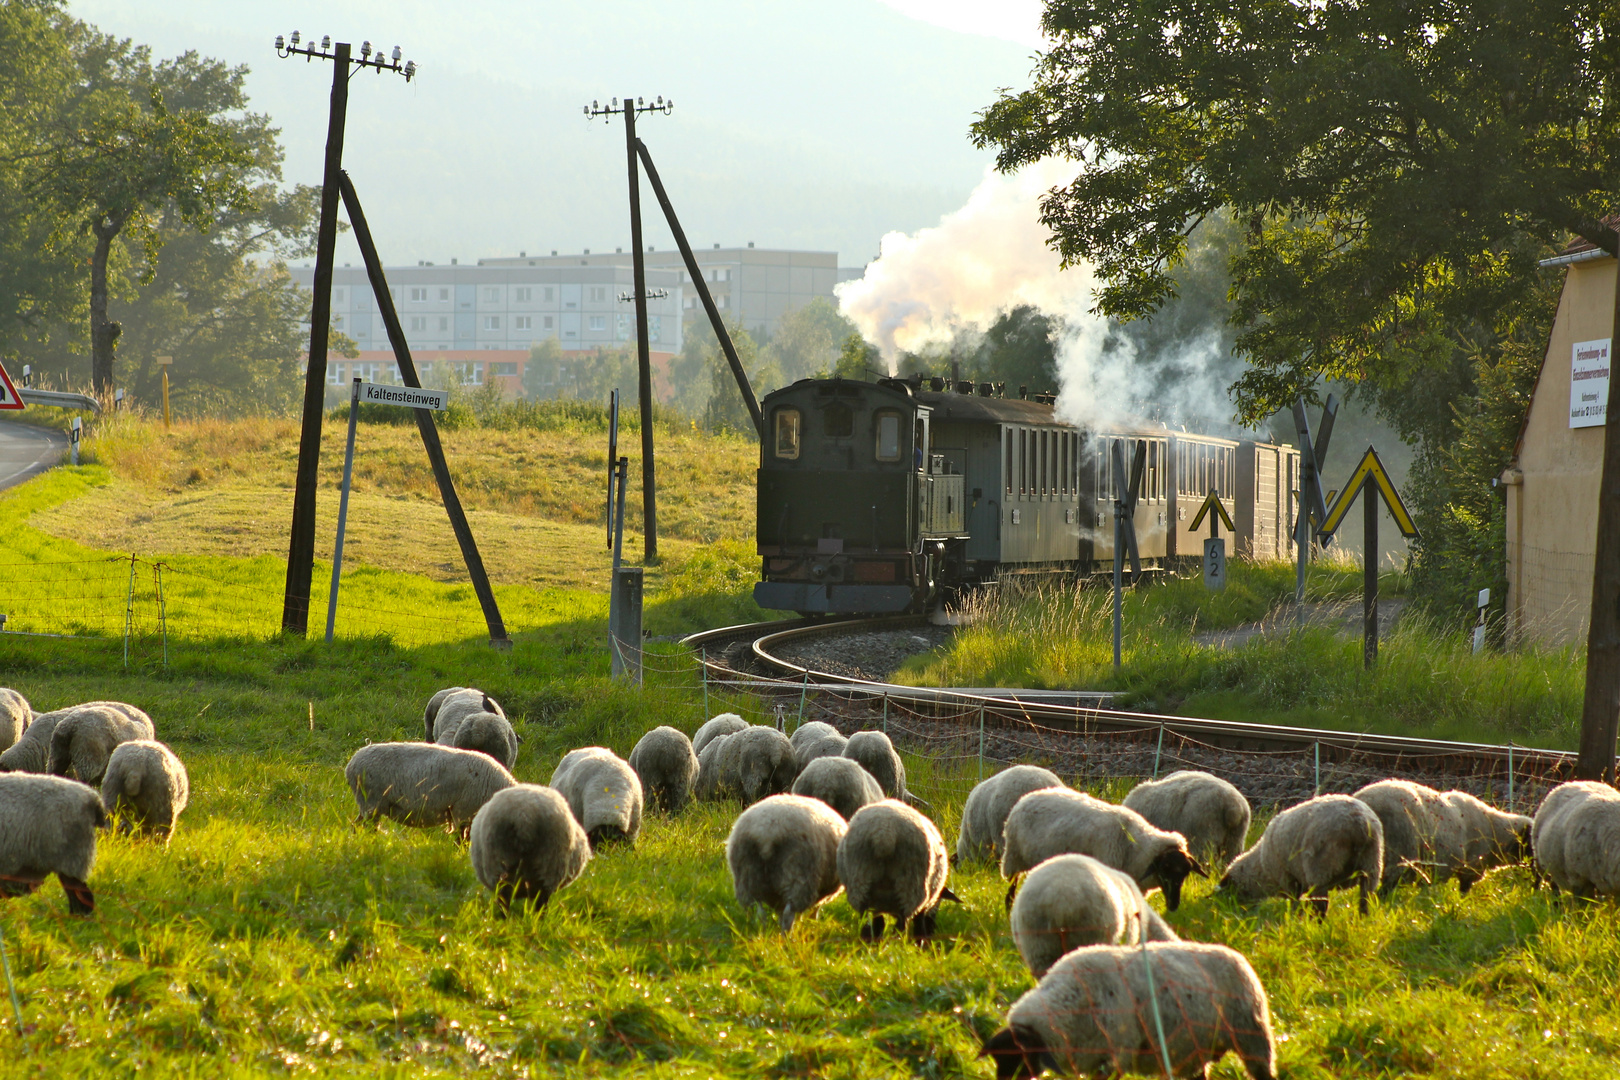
817,126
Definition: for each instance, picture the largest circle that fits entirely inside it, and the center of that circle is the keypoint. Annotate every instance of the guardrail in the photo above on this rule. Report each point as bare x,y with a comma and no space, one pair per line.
59,399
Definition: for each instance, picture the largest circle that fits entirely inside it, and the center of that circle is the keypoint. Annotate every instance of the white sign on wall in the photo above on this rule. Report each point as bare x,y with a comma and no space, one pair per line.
1589,383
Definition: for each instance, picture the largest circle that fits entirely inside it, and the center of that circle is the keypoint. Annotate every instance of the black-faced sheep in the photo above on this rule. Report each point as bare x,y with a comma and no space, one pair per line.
667,766
876,754
816,740
840,783
1074,900
423,784
1211,813
752,764
48,826
1093,1015
452,703
1576,836
14,716
1431,835
146,786
725,723
984,816
83,741
783,853
526,845
1325,843
1058,821
603,793
893,862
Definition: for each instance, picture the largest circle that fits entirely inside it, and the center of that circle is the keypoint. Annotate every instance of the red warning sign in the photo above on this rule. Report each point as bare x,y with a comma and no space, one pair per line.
9,398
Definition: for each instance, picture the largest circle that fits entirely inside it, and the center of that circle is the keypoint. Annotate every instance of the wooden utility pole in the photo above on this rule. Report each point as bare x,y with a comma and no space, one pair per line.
649,486
1600,712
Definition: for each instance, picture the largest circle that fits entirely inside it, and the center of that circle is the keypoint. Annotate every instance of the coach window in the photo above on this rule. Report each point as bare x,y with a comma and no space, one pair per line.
888,436
787,434
1007,442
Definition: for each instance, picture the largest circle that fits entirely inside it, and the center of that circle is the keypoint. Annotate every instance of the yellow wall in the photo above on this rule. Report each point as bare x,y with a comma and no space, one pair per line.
1552,486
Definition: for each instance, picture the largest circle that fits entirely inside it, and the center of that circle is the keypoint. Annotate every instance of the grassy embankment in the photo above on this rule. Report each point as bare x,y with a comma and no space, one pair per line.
270,937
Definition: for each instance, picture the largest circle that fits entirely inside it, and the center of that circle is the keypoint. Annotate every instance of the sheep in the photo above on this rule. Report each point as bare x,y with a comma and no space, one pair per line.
985,814
1325,843
816,740
876,754
726,723
479,725
667,767
1576,836
48,826
840,783
85,739
14,716
708,781
526,845
753,763
603,793
783,853
423,784
451,704
1094,1014
32,752
147,785
893,862
1074,900
1211,813
1437,835
1058,821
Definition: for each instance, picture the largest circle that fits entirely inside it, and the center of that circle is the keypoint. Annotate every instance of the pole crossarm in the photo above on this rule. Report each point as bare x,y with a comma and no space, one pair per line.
1369,468
1212,504
285,49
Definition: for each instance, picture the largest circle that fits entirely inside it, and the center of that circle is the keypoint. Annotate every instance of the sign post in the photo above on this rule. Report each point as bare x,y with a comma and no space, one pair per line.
73,435
1214,546
1370,480
9,398
1312,456
1126,489
1479,630
164,362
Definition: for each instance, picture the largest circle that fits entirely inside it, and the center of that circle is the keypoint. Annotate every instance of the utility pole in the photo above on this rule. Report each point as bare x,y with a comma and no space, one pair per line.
301,547
649,486
1600,711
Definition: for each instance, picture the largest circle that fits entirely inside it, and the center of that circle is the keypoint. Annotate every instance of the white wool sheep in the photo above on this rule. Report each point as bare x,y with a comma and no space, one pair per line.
783,853
32,752
423,784
840,783
451,704
526,845
48,826
146,786
1074,900
84,740
876,754
14,716
1576,836
1432,836
476,725
1058,821
603,793
725,723
1325,843
664,761
892,861
751,764
708,782
984,816
1093,1014
816,740
1211,813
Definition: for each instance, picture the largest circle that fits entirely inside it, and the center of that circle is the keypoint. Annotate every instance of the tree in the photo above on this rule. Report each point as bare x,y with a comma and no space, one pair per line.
1020,349
542,375
858,360
808,340
725,410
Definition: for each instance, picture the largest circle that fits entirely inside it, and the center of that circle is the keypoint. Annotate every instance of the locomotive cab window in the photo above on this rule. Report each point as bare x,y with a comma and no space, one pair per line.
787,433
838,420
888,436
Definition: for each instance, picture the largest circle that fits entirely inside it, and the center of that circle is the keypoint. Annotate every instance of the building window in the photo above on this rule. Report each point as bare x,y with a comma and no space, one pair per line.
623,327
444,322
418,323
720,275
419,296
523,296
888,436
502,369
334,375
551,294
724,300
492,294
787,433
444,295
469,373
523,322
598,322
655,327
492,322
340,296
598,294
549,322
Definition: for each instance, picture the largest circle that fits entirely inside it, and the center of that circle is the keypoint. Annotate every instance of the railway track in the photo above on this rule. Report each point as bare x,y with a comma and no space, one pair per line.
1082,729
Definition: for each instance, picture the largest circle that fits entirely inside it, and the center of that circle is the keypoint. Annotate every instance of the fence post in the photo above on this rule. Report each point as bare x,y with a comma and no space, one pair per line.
1157,750
703,662
981,740
1316,748
163,610
1510,777
885,712
804,690
129,611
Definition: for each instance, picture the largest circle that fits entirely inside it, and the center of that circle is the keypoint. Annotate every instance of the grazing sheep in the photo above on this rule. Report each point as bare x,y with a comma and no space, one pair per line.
1058,821
783,853
1211,813
14,716
1432,836
985,814
1491,838
753,763
84,740
451,704
423,784
48,826
468,725
876,754
840,783
1325,843
1074,900
526,845
603,793
727,723
893,862
32,752
816,740
147,786
708,785
1093,1014
668,769
1576,835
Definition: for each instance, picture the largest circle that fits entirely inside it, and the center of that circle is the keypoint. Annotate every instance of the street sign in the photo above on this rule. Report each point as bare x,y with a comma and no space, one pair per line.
1214,563
9,398
411,397
1212,504
1370,481
1370,468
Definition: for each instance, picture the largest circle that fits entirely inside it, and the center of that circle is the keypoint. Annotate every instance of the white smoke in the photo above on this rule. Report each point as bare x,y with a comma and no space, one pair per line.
950,282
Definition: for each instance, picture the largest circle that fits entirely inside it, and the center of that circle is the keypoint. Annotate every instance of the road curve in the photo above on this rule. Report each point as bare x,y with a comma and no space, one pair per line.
27,451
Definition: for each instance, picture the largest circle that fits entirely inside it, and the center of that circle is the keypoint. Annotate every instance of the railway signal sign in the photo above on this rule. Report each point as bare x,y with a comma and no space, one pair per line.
1370,481
1312,456
9,398
1127,487
1214,546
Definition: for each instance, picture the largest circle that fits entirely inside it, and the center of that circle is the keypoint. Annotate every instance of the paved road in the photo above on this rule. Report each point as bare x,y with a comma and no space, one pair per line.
26,451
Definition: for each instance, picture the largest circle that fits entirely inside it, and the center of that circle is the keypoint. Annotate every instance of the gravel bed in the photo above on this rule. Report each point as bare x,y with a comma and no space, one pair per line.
869,654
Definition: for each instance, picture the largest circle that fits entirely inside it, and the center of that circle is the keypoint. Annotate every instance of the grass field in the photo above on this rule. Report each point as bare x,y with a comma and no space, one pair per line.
272,938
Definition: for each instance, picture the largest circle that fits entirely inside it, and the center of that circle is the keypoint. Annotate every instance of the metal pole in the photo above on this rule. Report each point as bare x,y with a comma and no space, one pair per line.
163,610
981,740
885,713
1302,540
1158,751
804,691
649,488
1369,575
1119,569
301,549
343,513
623,467
703,661
1510,777
1316,749
613,456
129,611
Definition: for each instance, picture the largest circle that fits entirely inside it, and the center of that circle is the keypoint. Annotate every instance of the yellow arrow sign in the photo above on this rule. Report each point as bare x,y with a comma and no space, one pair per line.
1370,466
1213,500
